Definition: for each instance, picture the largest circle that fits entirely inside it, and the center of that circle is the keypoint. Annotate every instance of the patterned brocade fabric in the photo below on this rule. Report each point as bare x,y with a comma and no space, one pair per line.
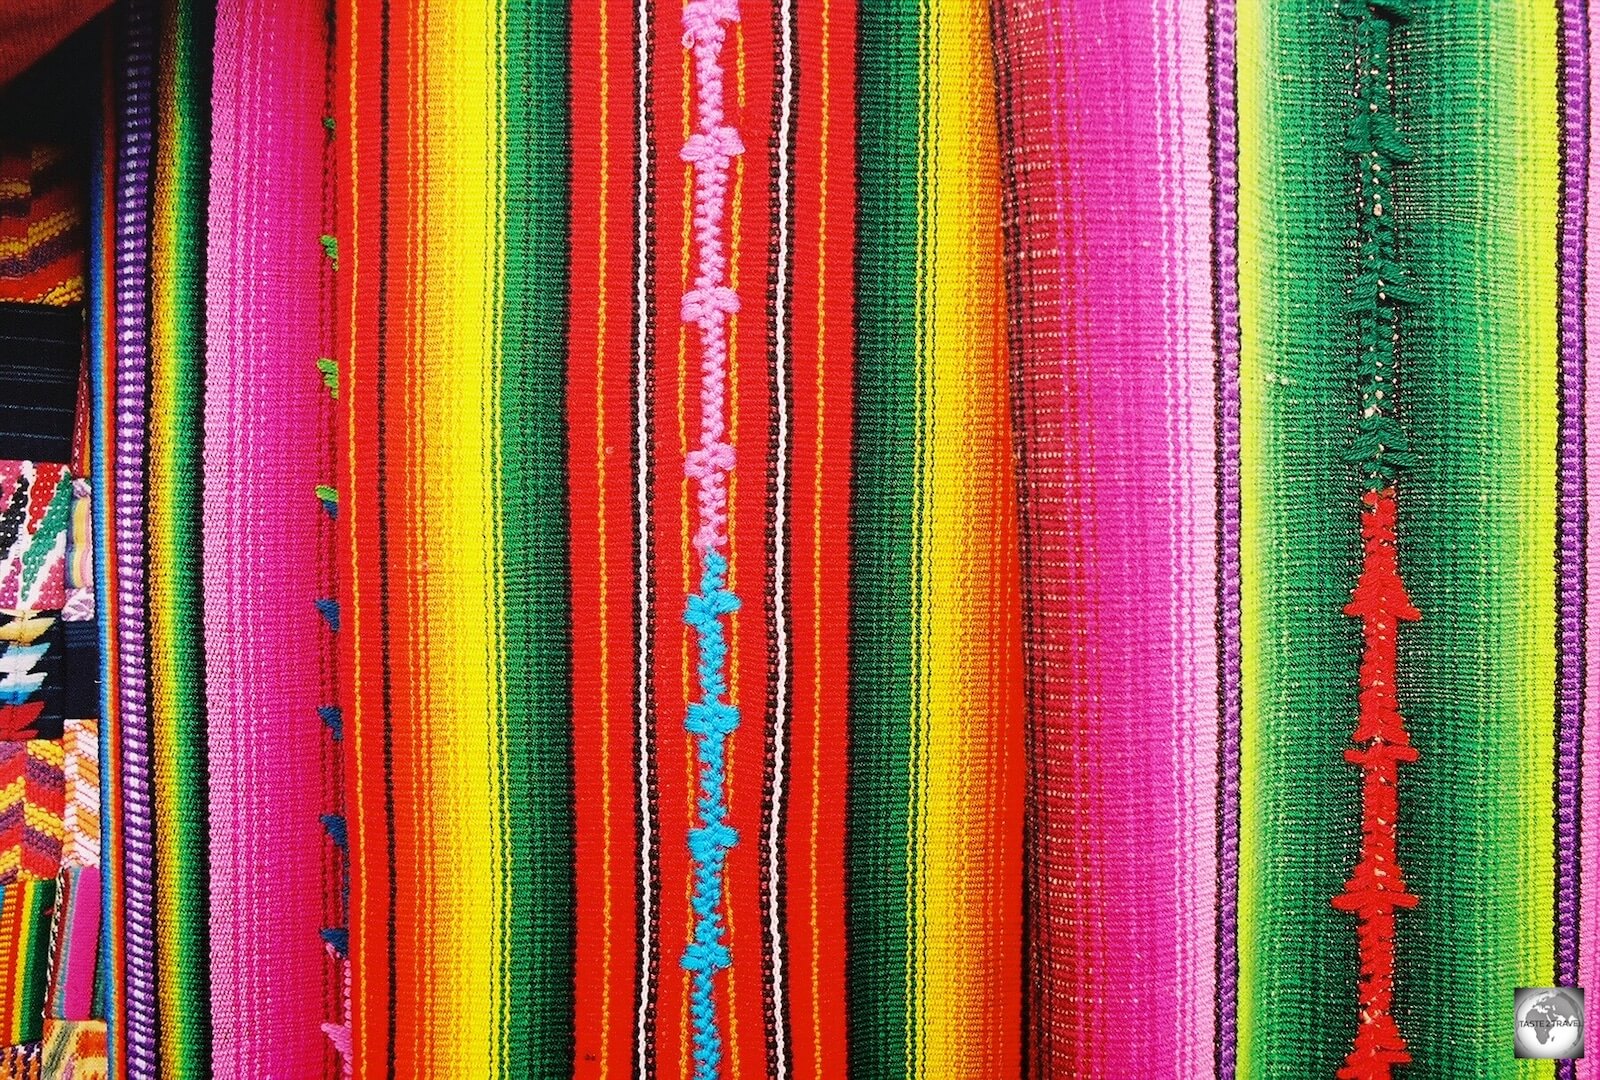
716,539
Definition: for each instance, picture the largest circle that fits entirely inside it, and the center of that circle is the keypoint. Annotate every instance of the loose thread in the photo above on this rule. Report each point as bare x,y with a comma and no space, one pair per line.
1376,887
708,304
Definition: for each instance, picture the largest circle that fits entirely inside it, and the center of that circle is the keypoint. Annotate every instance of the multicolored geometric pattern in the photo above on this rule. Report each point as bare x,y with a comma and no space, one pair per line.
32,804
74,1050
37,501
80,778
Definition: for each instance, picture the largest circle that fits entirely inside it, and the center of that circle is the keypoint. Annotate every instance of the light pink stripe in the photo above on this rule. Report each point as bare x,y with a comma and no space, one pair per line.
266,541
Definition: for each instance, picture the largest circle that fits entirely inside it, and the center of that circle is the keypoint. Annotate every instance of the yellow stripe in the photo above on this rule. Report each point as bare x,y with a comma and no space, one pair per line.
960,698
1530,58
1250,42
602,597
464,848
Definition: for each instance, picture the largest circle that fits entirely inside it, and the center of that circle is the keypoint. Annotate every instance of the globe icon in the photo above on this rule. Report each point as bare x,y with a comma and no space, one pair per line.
1549,1025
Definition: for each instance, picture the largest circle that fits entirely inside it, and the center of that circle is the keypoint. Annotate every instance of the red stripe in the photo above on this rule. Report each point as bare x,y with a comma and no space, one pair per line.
821,381
752,424
600,474
360,639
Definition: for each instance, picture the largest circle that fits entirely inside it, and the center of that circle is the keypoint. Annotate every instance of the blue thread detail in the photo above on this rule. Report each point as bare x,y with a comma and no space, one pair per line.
333,824
339,938
330,611
711,721
334,718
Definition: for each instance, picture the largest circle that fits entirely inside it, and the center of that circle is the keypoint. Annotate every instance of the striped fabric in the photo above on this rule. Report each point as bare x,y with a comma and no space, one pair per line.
25,908
1111,278
696,538
230,884
74,937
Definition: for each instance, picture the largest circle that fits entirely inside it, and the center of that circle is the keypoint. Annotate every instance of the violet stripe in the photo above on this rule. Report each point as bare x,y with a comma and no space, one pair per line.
135,1042
1588,257
1569,720
1225,247
264,549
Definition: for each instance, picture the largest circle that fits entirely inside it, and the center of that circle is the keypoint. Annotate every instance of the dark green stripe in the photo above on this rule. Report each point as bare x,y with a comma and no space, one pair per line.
1300,804
534,542
37,899
883,489
187,1052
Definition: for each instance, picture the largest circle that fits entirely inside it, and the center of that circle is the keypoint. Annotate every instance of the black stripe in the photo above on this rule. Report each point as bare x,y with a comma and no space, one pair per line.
648,810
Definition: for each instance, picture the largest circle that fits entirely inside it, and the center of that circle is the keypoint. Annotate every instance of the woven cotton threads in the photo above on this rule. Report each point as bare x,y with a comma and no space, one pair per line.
708,305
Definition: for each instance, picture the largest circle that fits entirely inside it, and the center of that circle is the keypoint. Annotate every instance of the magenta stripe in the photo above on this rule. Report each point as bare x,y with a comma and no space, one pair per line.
1109,153
1573,512
266,541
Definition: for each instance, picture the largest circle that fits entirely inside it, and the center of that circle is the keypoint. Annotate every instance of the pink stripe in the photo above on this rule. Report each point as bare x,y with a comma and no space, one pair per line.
83,935
1589,847
1112,176
266,542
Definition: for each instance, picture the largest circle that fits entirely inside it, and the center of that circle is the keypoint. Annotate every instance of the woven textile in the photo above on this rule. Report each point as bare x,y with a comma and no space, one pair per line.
1110,274
233,879
820,538
41,222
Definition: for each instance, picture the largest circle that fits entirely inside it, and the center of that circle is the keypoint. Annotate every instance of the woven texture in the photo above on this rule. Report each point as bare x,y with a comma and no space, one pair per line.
1110,279
828,537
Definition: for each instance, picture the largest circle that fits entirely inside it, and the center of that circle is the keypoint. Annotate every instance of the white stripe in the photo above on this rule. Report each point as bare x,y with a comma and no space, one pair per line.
642,539
780,546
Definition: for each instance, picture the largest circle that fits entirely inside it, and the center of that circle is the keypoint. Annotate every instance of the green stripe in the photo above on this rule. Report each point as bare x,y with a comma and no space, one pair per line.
37,901
186,1052
883,491
1300,809
1477,527
533,541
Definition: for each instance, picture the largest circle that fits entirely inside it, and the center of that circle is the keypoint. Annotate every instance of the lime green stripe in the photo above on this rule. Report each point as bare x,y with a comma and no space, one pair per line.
1479,209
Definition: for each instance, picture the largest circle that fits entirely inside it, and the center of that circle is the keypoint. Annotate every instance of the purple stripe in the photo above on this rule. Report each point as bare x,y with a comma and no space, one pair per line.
1225,181
135,148
1569,726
